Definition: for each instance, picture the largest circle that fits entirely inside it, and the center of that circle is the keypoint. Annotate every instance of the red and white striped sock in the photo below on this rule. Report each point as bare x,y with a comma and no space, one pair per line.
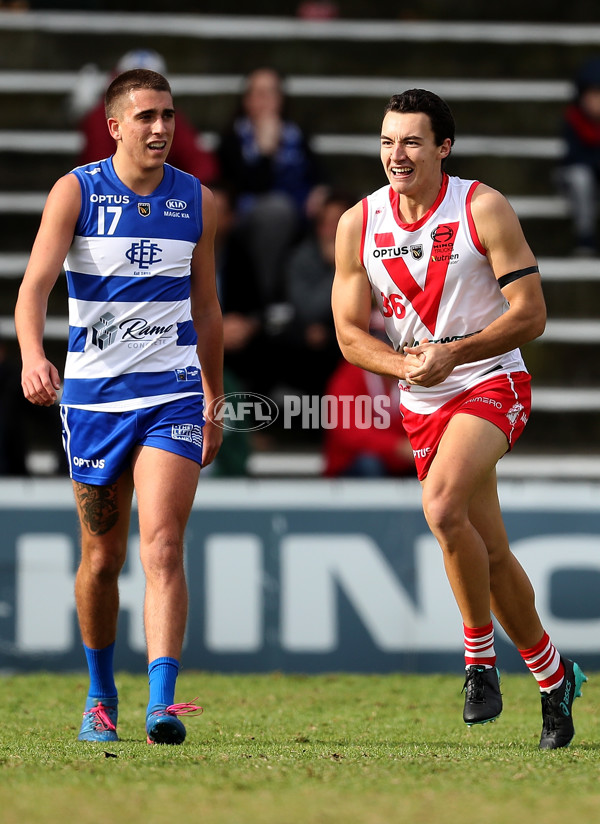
543,661
479,646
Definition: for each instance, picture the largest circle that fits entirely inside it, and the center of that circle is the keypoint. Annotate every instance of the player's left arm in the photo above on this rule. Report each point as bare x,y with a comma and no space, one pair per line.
515,268
208,323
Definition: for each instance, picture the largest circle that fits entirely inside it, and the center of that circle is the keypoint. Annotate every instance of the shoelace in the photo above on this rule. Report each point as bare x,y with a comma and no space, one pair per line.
180,709
100,717
549,713
474,685
549,720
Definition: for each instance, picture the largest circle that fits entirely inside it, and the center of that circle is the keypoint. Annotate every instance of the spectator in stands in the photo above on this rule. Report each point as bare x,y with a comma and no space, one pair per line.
87,104
309,278
354,449
267,159
579,171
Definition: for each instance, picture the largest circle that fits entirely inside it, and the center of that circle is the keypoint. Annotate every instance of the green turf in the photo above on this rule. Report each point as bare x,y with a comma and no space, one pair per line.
296,749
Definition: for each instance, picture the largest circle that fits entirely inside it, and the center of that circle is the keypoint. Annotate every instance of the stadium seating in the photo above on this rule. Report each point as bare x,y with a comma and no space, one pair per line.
507,101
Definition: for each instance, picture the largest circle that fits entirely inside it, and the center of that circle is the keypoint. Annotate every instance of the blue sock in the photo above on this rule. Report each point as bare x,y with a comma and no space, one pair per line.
100,666
162,675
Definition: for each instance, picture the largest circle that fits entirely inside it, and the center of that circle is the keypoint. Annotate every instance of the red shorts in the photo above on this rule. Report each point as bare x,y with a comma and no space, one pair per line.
504,401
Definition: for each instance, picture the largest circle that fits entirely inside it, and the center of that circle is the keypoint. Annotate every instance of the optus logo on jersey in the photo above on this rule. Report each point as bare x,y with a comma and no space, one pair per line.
416,250
249,411
110,199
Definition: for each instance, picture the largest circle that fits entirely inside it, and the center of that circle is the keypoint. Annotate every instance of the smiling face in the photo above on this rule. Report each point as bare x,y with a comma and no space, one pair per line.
411,158
143,125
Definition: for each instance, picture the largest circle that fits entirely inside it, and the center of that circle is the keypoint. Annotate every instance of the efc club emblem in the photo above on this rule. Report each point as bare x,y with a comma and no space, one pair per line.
144,209
144,254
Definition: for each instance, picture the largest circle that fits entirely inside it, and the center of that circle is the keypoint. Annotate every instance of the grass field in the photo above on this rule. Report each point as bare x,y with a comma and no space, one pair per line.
296,749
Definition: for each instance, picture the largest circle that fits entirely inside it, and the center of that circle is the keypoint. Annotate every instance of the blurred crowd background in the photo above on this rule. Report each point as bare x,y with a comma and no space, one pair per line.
283,128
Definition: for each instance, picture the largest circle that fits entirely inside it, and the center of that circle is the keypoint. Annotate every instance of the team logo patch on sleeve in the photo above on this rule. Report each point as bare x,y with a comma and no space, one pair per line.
189,432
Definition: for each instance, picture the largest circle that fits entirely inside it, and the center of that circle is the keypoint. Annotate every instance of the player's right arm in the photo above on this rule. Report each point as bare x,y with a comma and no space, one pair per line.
351,304
40,378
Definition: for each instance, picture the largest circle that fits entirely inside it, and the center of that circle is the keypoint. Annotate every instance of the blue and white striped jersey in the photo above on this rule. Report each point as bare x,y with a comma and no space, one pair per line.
132,343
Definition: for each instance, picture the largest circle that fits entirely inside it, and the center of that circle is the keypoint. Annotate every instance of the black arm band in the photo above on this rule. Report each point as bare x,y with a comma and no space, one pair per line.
518,273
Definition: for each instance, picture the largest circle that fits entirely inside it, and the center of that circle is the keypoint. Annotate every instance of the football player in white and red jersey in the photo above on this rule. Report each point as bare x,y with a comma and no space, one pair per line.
459,290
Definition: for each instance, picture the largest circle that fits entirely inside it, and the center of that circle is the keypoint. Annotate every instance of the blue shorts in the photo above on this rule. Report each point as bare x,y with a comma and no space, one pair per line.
99,445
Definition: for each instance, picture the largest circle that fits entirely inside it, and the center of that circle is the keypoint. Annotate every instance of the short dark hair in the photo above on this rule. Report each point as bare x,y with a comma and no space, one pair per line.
130,81
438,111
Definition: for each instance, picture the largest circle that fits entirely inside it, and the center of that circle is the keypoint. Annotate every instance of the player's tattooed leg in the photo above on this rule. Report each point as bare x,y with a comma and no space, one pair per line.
98,507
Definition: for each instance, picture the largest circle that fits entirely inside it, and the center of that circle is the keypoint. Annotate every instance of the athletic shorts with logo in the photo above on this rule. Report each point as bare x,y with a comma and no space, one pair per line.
504,400
99,445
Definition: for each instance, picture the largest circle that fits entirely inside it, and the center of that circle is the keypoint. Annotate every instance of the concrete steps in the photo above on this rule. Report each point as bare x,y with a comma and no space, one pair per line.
507,83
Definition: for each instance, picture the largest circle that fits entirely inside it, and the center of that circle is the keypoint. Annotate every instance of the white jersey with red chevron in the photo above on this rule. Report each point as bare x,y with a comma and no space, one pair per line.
432,281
